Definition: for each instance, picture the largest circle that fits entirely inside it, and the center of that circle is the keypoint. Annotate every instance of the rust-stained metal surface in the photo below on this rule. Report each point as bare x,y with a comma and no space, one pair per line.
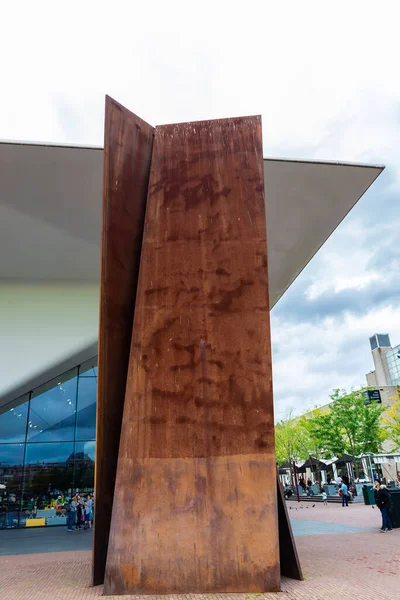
127,157
195,506
289,559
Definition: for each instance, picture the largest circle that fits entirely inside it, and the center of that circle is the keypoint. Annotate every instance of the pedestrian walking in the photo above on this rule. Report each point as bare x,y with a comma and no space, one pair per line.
345,495
382,499
325,498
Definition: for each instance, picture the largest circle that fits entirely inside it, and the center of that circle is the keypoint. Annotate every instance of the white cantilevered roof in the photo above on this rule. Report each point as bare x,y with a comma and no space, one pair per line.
51,210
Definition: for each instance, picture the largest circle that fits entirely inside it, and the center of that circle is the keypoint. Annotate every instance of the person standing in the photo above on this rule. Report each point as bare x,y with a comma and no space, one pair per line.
345,494
88,512
382,499
79,512
325,498
71,513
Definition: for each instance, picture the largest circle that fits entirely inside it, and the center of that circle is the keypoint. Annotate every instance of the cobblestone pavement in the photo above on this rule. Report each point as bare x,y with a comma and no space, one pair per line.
342,564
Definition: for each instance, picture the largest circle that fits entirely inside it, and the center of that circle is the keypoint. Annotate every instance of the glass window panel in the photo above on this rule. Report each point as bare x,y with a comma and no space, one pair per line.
11,469
13,418
89,373
11,462
52,412
49,470
86,416
84,466
89,368
383,340
373,341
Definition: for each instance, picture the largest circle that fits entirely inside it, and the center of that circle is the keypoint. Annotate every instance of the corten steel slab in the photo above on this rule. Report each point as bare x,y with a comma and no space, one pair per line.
289,559
195,505
127,156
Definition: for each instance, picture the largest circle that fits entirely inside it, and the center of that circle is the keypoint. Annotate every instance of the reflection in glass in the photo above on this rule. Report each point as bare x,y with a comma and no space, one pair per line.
11,462
48,470
84,466
86,417
13,421
52,413
62,414
11,469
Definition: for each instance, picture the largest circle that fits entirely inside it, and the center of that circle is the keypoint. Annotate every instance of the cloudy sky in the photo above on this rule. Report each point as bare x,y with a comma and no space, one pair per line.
325,79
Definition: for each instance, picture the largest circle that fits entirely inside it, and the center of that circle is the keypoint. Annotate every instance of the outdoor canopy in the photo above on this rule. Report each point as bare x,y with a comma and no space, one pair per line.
313,464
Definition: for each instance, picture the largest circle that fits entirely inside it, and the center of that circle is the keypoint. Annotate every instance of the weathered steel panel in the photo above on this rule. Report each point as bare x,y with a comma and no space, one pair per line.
195,507
127,157
289,559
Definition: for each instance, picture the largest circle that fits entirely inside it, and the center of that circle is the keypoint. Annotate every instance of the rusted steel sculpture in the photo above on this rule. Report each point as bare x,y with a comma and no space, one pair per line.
127,156
195,504
289,559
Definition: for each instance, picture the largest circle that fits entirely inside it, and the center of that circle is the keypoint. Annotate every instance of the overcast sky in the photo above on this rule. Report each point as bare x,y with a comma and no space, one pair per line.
325,78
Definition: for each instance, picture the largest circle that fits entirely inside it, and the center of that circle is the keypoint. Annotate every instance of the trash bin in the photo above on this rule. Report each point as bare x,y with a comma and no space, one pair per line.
394,507
368,493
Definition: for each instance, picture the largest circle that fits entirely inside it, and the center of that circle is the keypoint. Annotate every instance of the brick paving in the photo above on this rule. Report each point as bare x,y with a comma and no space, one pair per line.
339,565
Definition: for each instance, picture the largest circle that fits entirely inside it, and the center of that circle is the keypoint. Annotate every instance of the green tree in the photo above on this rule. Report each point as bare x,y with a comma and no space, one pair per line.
391,422
317,430
286,439
349,426
294,441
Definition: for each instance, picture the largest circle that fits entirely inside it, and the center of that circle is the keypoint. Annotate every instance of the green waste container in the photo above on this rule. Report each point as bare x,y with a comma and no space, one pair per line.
368,493
394,507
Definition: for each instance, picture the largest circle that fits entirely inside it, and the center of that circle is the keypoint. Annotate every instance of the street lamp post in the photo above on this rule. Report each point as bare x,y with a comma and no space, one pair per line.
295,481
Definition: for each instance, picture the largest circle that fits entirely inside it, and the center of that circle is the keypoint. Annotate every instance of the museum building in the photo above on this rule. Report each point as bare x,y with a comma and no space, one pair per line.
50,241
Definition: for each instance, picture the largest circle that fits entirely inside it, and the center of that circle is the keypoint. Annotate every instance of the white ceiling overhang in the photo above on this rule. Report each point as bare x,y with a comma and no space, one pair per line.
51,209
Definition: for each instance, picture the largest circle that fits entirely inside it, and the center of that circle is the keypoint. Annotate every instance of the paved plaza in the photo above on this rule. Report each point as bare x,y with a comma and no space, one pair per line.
342,552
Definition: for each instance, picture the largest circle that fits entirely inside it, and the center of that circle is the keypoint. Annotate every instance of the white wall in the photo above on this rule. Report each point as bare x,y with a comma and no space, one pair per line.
43,325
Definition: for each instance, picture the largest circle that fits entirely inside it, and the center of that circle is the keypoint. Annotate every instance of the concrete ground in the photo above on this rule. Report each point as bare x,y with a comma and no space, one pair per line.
38,540
342,552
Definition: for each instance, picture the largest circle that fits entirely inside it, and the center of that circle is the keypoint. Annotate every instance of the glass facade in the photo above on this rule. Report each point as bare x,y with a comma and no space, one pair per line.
47,448
393,362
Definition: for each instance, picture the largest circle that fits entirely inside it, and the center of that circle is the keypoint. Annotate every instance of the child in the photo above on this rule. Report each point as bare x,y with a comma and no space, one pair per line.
325,498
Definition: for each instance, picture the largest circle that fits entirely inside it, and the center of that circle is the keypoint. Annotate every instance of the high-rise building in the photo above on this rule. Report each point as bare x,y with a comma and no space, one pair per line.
386,361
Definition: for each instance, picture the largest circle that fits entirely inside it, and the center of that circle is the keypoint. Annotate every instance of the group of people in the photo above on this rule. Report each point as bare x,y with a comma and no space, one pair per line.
79,512
306,486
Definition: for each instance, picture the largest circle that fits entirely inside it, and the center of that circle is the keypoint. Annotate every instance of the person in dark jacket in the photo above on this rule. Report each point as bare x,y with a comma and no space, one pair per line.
382,499
79,512
70,509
